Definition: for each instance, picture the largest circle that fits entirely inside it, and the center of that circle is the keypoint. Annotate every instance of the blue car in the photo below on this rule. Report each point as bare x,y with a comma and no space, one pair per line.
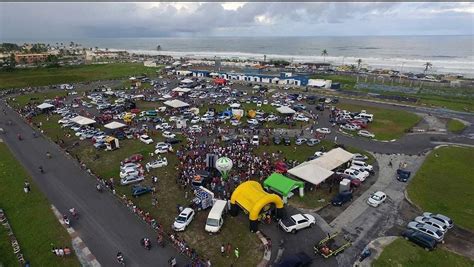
403,175
138,190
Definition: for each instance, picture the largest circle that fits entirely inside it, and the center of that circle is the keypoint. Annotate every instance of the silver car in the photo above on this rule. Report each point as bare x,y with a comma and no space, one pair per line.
438,235
431,221
440,217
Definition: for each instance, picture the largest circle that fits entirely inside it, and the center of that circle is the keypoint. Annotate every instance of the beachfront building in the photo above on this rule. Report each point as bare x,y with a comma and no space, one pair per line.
31,58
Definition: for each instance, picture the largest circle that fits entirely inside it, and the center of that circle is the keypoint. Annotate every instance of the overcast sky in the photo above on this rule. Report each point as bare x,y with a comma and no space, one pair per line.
83,20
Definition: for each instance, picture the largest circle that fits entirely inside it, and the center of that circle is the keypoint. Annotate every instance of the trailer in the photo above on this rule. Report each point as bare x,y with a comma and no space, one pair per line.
332,245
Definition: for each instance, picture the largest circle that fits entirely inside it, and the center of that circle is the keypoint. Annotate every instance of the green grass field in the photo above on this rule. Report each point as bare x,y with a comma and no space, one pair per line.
445,184
404,253
31,218
388,124
82,73
456,126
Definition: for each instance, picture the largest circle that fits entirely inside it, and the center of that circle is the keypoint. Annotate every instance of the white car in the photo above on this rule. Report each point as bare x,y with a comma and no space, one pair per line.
297,222
365,133
252,121
357,164
357,174
195,120
163,126
173,118
376,199
183,220
440,217
132,165
300,117
168,134
348,127
146,139
318,154
158,163
162,148
438,235
195,129
129,172
255,141
131,179
323,130
235,122
433,222
272,117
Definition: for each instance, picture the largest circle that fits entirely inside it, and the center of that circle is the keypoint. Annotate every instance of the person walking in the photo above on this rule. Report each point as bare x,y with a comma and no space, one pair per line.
222,250
229,249
236,252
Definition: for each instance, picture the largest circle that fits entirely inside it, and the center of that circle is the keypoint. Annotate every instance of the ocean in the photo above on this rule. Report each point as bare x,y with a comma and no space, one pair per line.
448,54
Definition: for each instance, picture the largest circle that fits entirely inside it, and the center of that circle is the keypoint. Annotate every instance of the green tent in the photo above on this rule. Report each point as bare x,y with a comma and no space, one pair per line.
282,184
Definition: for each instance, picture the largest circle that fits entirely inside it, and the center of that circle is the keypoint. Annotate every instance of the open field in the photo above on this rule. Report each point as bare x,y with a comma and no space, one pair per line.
82,73
30,216
388,124
404,253
445,184
456,126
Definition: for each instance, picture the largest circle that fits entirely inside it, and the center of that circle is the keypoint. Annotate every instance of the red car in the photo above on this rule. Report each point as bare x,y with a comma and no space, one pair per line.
133,158
359,123
354,182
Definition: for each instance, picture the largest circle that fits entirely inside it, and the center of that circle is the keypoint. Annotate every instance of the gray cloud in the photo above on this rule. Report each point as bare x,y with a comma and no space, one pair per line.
79,20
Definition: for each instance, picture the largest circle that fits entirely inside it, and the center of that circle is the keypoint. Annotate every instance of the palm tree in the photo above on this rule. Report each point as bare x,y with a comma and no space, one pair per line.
427,65
359,62
324,54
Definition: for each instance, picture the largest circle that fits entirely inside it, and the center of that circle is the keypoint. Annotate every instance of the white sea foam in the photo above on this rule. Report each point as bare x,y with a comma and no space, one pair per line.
458,65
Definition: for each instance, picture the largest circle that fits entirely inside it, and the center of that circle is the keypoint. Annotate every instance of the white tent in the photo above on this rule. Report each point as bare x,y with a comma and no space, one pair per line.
286,110
114,125
176,103
332,159
82,120
181,90
213,74
45,106
235,105
316,82
311,173
187,81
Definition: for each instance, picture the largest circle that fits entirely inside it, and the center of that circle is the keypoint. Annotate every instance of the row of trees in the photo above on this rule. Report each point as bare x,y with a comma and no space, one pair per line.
324,53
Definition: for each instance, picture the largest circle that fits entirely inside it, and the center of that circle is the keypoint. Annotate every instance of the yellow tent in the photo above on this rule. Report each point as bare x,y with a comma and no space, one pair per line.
251,113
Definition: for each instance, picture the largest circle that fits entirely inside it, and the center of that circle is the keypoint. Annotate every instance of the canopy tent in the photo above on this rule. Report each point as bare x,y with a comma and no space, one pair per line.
235,105
176,103
332,159
311,173
45,106
187,81
213,74
82,120
114,125
181,90
283,185
286,110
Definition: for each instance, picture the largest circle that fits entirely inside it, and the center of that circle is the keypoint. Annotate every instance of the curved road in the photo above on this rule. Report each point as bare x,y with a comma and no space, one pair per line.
105,225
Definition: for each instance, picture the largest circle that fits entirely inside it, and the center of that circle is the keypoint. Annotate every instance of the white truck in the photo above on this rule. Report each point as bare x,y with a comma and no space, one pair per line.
297,222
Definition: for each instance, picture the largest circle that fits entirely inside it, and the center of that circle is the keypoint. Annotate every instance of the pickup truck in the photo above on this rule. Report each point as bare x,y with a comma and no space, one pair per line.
297,222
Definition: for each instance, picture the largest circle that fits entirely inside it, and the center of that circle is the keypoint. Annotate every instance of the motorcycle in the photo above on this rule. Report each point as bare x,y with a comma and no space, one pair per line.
19,137
146,243
74,213
99,188
365,254
66,221
120,259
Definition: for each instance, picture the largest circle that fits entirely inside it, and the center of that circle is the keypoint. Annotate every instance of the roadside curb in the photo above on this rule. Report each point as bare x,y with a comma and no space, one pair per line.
376,246
267,254
84,255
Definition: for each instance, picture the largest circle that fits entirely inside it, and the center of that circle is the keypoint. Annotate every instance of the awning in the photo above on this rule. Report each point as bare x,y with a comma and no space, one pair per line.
45,106
332,159
281,184
187,81
82,120
181,90
176,103
286,110
114,125
311,173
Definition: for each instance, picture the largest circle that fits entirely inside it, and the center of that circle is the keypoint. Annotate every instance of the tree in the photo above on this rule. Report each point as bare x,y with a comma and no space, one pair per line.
427,65
359,62
324,54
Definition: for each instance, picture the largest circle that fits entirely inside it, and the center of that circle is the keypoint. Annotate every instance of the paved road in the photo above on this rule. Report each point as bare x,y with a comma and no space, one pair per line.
106,226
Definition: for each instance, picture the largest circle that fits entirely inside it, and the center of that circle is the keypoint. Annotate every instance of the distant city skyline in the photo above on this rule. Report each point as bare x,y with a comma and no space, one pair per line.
96,20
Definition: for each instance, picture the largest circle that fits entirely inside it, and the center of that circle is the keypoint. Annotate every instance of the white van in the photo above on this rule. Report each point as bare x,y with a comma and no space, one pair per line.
368,117
214,219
